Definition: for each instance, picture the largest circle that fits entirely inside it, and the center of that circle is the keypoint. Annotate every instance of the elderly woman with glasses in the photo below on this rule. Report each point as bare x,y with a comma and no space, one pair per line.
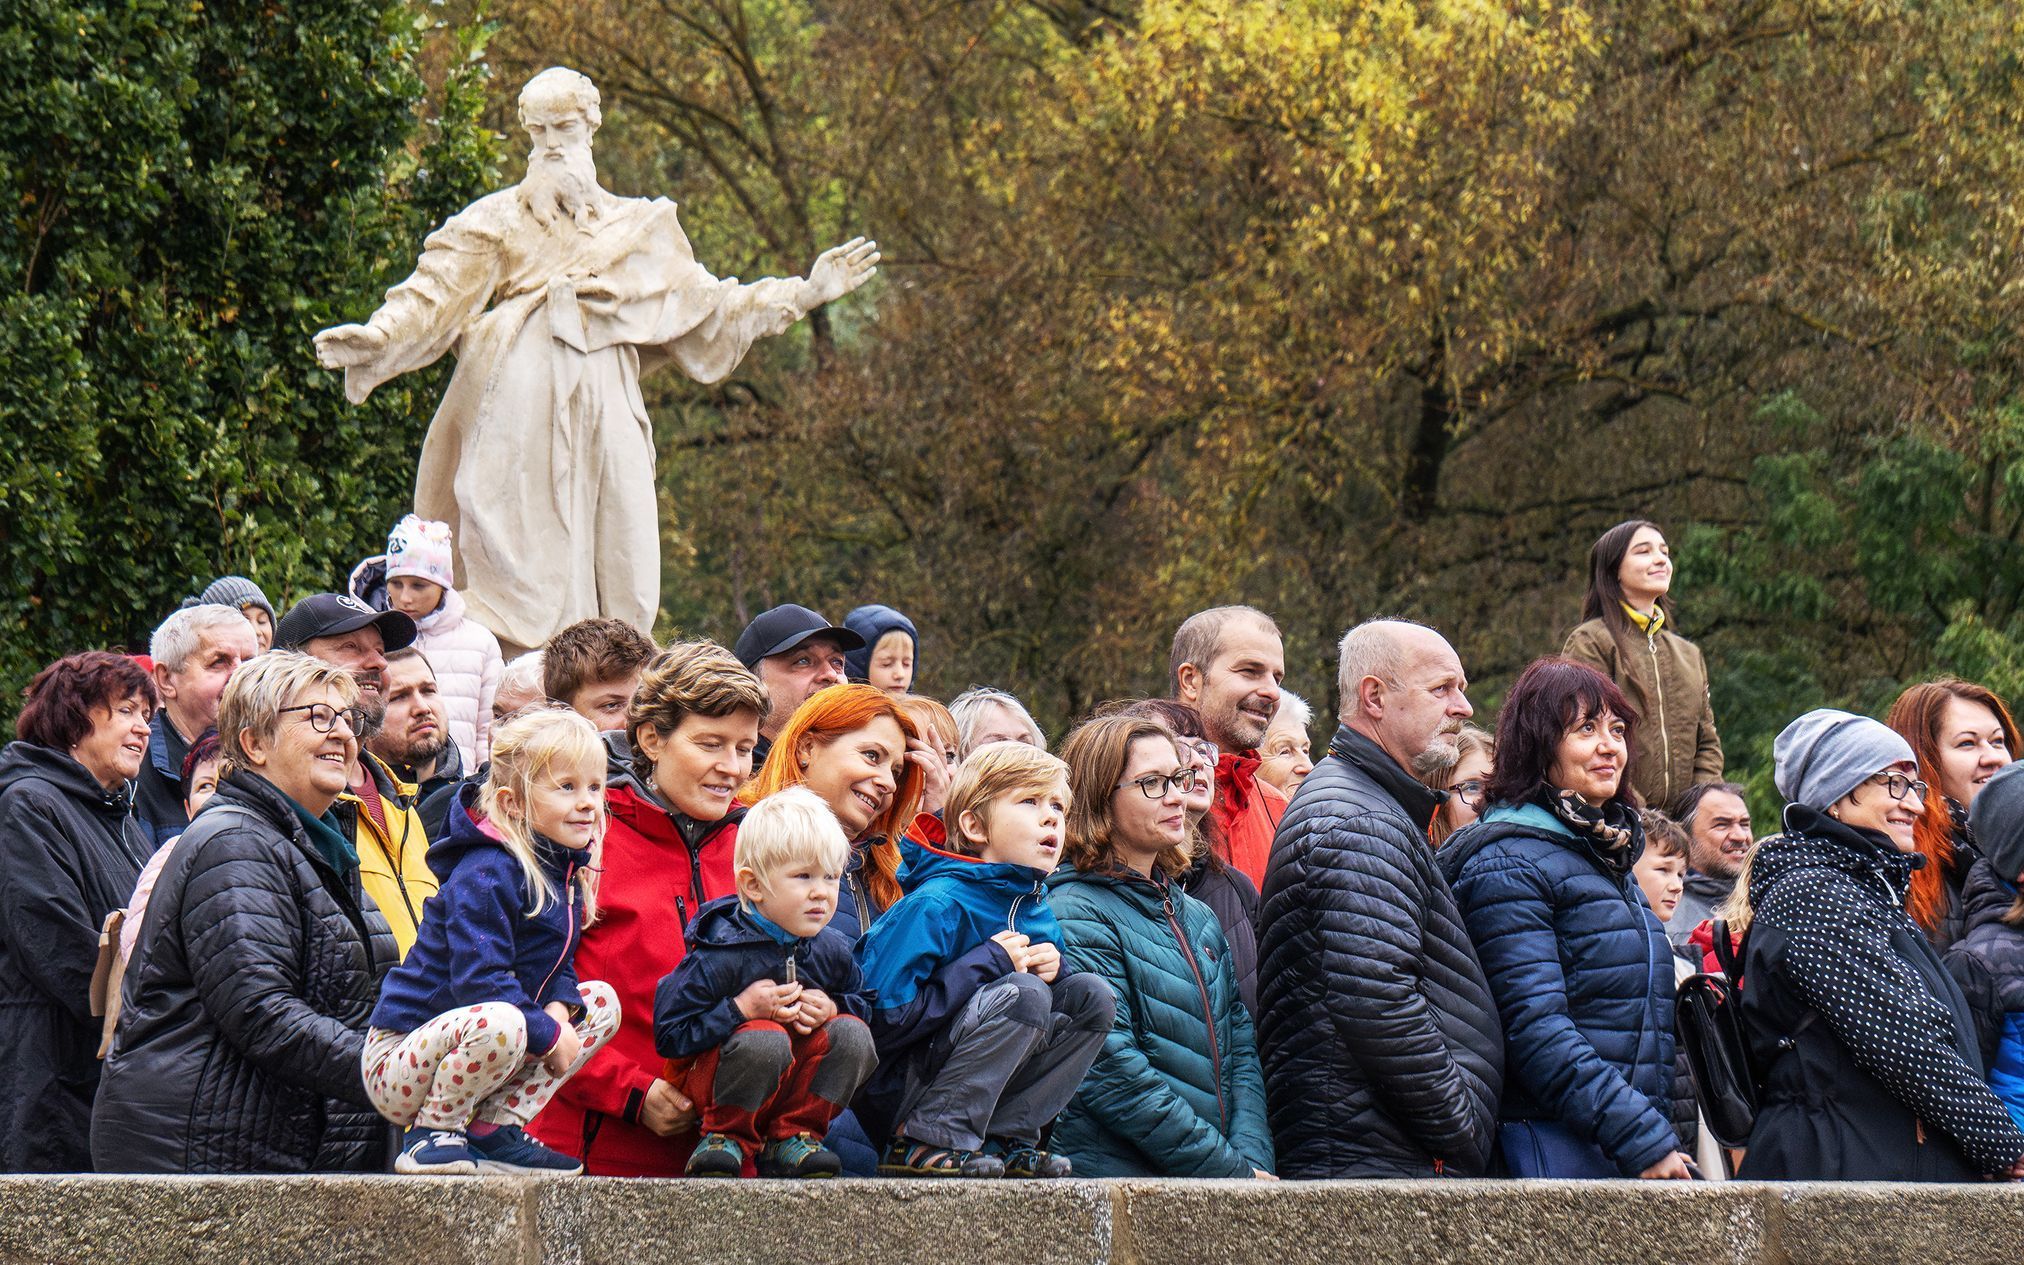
1871,1062
245,1008
1176,1090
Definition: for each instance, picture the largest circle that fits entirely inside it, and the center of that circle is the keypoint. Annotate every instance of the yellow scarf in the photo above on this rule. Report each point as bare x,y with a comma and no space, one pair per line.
1646,624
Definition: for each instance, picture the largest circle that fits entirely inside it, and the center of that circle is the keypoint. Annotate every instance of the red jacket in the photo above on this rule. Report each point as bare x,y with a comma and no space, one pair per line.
1248,811
651,884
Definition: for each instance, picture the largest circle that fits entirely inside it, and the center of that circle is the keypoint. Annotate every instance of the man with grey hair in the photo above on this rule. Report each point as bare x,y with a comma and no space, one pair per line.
1227,663
195,652
1382,1047
558,297
984,715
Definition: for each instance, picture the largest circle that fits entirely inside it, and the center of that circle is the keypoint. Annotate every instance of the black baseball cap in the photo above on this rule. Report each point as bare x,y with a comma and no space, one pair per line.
784,627
334,614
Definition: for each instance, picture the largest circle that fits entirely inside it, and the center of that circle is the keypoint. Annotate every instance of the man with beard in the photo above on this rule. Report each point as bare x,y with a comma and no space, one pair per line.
1227,663
1382,1047
378,813
1717,822
414,738
558,297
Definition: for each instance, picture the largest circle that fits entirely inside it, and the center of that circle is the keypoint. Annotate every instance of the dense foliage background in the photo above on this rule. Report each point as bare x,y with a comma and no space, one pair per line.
1341,307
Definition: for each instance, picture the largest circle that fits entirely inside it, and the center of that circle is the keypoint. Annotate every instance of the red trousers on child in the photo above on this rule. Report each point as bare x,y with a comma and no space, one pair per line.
769,1082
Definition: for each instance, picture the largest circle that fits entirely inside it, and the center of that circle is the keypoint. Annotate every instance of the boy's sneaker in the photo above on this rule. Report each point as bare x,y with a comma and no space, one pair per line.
436,1152
802,1155
1022,1160
509,1150
905,1157
716,1156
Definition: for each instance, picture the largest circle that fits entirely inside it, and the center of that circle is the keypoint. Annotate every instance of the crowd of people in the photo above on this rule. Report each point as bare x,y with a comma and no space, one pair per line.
343,889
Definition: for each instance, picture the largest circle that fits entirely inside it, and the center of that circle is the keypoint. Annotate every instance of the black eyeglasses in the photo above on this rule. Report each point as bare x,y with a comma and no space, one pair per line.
1470,791
1899,783
1154,785
323,717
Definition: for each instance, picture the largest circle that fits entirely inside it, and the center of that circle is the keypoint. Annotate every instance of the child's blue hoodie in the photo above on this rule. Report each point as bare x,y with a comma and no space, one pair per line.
477,942
926,956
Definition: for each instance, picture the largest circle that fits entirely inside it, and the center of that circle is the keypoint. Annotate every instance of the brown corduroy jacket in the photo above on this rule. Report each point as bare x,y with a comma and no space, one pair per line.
1666,679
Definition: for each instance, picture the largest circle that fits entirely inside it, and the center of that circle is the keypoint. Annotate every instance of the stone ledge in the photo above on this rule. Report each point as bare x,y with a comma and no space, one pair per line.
509,1221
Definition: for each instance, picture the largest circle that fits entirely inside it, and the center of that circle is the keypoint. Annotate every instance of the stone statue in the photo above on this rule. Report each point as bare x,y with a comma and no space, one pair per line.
557,297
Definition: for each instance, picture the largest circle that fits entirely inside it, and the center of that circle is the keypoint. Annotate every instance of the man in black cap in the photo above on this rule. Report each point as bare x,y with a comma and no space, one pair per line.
796,652
379,812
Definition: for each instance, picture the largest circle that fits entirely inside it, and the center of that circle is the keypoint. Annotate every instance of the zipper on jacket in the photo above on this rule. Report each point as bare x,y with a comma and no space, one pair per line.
682,912
1665,735
1208,1011
569,906
1012,915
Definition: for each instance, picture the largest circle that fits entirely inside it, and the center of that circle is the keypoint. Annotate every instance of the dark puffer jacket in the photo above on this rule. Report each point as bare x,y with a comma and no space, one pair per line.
1381,1046
1583,978
1176,1090
69,854
244,1011
1884,1077
1988,962
1233,898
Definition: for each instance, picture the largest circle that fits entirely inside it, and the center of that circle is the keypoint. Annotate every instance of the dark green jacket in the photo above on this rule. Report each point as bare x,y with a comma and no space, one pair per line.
1176,1091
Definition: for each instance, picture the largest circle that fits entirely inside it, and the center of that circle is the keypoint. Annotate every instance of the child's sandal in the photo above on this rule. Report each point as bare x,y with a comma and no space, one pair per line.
905,1157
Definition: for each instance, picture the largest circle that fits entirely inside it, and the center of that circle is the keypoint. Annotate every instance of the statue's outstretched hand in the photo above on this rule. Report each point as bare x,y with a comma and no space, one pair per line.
342,346
841,269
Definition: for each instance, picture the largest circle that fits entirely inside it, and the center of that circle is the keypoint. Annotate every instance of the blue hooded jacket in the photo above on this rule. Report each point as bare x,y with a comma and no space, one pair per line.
477,943
871,623
926,956
696,1005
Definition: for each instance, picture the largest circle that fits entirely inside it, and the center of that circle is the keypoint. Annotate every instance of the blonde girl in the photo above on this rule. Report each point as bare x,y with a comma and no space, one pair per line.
485,1019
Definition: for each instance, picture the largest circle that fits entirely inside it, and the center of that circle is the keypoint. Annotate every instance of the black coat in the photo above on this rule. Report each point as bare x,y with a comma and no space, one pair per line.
1229,892
1382,1047
244,1010
1884,1079
69,855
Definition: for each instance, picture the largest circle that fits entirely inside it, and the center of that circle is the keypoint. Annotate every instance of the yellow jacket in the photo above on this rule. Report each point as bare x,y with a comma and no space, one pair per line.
392,867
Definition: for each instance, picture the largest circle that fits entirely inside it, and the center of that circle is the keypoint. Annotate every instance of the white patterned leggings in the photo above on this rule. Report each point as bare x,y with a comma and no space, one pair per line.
472,1063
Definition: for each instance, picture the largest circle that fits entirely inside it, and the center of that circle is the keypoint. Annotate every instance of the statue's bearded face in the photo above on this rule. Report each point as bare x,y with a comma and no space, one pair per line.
561,178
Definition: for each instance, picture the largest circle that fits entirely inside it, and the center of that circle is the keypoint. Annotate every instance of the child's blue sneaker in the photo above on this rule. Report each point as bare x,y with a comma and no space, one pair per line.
507,1149
436,1152
716,1156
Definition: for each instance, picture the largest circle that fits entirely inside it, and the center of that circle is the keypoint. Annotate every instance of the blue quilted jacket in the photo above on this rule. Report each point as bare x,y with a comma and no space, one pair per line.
1583,979
1176,1090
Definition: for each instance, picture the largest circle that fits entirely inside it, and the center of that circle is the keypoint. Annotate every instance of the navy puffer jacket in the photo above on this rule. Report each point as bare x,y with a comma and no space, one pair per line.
1176,1091
1583,977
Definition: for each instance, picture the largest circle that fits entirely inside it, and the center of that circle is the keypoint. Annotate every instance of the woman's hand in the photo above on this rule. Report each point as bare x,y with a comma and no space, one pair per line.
934,774
1672,1168
667,1111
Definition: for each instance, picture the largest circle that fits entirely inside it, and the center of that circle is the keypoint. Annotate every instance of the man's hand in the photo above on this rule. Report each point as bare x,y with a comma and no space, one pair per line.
841,269
1672,1168
342,346
1014,945
666,1110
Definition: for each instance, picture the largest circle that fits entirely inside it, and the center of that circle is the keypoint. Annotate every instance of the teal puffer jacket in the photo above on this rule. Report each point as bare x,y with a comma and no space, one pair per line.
1176,1091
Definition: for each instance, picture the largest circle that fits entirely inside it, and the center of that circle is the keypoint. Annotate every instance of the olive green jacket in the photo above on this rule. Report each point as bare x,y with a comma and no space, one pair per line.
1665,678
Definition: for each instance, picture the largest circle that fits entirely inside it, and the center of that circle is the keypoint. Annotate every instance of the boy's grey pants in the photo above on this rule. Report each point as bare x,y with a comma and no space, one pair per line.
1008,1062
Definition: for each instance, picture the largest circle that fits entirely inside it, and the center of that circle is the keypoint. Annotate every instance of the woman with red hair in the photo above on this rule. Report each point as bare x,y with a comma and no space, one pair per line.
1962,733
859,750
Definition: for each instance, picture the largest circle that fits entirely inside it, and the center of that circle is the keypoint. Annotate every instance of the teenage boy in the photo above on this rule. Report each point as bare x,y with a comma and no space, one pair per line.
593,668
983,1032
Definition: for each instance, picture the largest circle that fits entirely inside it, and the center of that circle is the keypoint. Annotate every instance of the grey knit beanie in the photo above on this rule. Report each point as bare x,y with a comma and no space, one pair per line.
1998,821
237,592
1825,754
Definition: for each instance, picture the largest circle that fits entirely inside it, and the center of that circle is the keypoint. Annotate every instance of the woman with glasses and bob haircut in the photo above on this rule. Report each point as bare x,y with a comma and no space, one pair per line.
237,1049
1466,782
1176,1090
1871,1060
1579,966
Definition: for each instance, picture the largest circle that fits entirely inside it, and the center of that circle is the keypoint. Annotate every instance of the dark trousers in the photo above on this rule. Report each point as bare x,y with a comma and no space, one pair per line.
1007,1063
769,1082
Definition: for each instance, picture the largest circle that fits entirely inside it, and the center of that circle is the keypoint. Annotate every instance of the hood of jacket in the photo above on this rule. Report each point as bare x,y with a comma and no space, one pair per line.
468,829
1813,840
921,862
26,761
724,924
1985,896
871,623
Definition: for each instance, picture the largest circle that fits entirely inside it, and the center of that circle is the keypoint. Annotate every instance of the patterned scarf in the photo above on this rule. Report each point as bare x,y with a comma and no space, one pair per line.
1613,832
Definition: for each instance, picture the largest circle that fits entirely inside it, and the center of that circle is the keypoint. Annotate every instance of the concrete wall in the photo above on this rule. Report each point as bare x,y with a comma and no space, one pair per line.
506,1221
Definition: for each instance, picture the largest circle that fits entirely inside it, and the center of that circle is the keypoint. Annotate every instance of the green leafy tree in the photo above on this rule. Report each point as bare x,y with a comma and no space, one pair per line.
187,193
